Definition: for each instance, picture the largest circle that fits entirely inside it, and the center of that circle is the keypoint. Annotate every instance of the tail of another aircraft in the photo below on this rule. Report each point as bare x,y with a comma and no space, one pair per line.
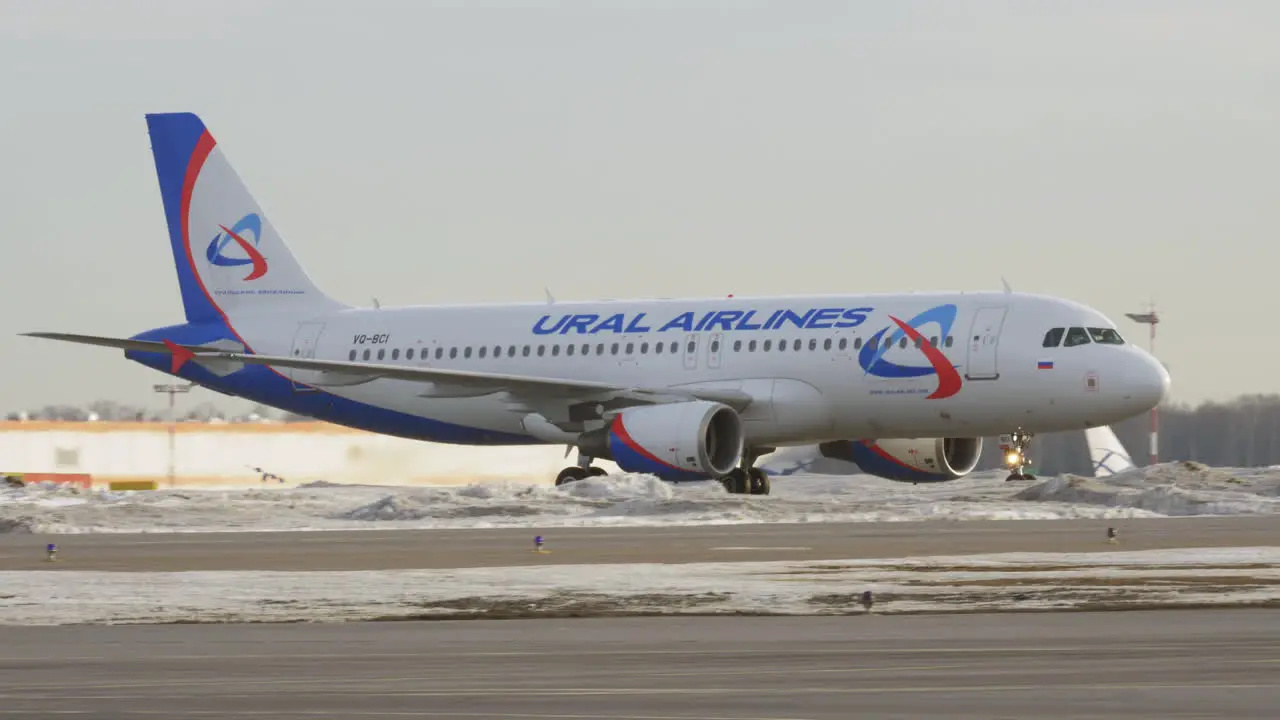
231,261
1106,452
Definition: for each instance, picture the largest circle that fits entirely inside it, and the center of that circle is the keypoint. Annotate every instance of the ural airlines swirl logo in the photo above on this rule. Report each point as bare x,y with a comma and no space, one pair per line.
249,224
871,357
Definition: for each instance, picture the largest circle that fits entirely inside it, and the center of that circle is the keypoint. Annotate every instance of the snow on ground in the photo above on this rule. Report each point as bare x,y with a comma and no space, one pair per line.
1004,582
1170,489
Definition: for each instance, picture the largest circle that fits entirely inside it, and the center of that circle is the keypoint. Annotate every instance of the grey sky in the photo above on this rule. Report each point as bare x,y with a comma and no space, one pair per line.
430,152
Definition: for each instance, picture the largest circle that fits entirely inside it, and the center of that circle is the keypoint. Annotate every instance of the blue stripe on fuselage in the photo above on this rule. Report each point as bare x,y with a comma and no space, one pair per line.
260,384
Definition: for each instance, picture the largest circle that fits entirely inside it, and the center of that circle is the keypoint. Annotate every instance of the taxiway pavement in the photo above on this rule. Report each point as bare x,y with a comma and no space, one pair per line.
425,549
1163,664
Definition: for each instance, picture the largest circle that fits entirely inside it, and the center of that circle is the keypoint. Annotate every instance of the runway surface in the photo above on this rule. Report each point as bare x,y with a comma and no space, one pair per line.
1169,664
426,549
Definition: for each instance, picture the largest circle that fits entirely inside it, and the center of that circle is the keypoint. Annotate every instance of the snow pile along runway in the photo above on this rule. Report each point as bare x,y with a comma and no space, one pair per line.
1174,489
1004,582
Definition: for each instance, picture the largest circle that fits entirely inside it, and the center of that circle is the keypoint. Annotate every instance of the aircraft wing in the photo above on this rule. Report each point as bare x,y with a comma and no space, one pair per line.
343,372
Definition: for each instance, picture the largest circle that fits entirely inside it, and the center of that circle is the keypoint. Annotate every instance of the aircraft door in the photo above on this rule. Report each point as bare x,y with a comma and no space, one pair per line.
715,349
691,351
305,341
984,338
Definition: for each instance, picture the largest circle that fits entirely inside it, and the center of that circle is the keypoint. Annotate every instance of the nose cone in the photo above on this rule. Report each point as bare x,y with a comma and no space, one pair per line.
1147,381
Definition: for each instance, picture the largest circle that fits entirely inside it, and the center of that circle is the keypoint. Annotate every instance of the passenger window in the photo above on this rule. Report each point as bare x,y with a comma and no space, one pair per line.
466,352
950,339
555,351
782,346
1076,336
525,351
934,341
644,348
631,348
352,355
569,349
408,354
586,349
903,342
366,355
844,343
1105,336
395,354
751,346
600,349
737,346
439,352
768,345
542,350
511,351
674,347
1053,338
826,344
692,345
813,344
453,353
715,346
482,350
613,349
796,345
382,353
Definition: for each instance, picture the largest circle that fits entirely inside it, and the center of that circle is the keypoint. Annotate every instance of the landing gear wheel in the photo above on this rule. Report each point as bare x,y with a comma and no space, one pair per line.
570,474
736,482
759,481
594,471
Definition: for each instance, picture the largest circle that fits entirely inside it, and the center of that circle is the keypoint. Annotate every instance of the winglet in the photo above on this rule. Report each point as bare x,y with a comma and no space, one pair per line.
181,355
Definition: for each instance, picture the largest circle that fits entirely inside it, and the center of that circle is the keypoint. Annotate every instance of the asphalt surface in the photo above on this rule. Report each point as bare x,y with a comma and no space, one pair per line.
400,549
1164,664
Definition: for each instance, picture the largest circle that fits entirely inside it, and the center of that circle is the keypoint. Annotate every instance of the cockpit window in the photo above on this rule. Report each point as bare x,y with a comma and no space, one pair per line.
1106,336
1054,337
1076,336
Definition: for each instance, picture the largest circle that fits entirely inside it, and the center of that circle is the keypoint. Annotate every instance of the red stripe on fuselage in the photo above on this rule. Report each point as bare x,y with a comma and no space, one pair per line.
948,378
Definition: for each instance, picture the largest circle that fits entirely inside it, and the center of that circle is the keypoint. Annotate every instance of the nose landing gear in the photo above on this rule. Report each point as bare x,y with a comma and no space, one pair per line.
1014,447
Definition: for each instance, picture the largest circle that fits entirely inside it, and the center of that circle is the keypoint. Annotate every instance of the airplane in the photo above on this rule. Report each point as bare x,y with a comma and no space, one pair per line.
684,389
1107,453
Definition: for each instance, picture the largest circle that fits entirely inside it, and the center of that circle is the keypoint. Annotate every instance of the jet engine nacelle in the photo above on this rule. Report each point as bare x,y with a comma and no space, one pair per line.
909,460
677,441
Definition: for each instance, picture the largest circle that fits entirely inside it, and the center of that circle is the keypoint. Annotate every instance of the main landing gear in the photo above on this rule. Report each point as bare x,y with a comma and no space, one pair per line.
584,469
746,479
1015,455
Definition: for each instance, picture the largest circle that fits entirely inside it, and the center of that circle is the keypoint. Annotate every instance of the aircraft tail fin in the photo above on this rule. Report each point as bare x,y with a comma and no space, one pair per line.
230,259
1106,452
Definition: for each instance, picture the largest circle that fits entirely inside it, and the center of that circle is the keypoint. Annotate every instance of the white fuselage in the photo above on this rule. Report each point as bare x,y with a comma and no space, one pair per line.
803,371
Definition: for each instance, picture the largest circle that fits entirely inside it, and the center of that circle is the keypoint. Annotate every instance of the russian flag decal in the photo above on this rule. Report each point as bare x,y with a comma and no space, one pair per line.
1045,365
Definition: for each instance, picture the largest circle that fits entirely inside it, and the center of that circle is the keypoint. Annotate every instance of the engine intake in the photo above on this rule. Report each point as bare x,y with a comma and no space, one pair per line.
678,441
